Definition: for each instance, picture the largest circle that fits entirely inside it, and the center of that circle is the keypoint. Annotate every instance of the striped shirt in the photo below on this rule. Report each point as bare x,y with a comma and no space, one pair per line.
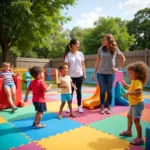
7,76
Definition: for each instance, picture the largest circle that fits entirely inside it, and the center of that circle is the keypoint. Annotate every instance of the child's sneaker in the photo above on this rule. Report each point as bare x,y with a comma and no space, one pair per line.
68,110
59,117
102,111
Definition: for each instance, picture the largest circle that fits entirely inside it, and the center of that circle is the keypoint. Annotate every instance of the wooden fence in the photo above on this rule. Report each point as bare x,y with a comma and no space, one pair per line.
142,55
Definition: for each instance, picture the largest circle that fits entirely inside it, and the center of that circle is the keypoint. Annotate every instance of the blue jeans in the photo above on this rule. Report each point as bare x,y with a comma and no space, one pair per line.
106,84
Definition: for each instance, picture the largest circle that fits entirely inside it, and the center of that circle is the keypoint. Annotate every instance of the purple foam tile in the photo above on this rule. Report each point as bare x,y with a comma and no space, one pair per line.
89,116
147,106
30,146
135,148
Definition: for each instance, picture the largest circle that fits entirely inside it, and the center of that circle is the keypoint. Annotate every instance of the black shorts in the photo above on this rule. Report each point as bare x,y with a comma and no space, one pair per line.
40,107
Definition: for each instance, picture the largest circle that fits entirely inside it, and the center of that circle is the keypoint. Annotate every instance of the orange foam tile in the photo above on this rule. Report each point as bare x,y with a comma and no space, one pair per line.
2,120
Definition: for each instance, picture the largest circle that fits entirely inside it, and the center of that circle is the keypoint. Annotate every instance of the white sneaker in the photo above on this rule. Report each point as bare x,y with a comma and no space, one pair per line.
68,110
80,110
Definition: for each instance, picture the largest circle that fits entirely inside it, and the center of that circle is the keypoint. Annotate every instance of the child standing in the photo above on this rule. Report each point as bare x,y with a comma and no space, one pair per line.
65,83
138,73
9,86
38,88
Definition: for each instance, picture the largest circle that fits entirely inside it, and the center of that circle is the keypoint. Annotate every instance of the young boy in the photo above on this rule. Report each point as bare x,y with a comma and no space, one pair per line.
9,86
65,84
38,88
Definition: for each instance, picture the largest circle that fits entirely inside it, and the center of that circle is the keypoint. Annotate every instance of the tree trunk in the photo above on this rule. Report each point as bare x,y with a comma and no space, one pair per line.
5,50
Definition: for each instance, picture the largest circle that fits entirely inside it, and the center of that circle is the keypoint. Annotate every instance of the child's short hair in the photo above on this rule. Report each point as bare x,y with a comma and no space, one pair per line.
35,71
141,69
62,67
6,64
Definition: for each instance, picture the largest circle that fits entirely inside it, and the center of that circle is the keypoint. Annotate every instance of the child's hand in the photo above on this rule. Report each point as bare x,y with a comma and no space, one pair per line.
17,74
25,99
123,82
50,85
125,95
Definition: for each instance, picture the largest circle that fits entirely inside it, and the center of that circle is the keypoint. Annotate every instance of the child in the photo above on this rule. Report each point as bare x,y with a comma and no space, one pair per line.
138,73
38,88
65,84
9,85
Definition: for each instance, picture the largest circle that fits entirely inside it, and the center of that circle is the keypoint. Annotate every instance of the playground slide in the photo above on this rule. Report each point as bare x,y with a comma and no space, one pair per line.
94,100
119,100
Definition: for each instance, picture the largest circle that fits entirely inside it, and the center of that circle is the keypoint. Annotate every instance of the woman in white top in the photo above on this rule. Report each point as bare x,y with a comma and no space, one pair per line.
75,61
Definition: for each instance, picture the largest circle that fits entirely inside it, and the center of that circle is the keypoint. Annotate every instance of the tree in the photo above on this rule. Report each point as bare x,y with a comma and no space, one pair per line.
140,27
115,26
27,23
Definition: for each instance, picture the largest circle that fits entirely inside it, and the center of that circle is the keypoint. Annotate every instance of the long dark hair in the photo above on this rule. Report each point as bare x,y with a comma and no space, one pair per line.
69,46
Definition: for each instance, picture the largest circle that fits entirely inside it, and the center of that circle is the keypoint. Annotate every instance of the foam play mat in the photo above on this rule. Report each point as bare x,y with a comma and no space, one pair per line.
89,130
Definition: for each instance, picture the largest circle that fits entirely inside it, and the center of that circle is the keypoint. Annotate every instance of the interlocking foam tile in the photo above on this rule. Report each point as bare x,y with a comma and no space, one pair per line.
147,96
11,137
53,126
2,120
89,116
147,106
131,147
30,146
145,115
57,97
22,112
146,101
84,138
54,106
116,124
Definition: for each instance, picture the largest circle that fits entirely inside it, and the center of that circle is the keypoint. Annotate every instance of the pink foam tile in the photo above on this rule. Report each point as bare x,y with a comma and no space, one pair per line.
135,148
30,146
147,106
89,116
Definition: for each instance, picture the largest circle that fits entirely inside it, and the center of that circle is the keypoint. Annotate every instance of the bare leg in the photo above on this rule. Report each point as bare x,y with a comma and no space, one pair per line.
13,93
61,107
130,122
39,117
70,107
138,128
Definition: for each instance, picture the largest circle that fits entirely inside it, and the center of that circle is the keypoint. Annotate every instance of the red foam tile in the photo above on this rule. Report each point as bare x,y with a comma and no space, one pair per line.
89,116
147,106
30,146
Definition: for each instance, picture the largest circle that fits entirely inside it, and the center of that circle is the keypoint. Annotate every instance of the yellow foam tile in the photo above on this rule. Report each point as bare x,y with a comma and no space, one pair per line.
2,120
84,138
54,106
147,96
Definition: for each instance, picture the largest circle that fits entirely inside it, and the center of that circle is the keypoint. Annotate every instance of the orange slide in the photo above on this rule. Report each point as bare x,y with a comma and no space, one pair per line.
94,100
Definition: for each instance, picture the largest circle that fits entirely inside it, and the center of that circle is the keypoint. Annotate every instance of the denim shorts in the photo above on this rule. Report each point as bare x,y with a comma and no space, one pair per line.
136,110
66,97
9,84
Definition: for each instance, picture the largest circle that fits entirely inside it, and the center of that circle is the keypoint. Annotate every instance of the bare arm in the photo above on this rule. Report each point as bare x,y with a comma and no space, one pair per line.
84,69
75,88
48,88
60,86
121,60
26,95
96,66
133,93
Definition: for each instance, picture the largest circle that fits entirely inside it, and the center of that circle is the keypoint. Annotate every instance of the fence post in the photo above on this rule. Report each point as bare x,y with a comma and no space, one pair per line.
146,56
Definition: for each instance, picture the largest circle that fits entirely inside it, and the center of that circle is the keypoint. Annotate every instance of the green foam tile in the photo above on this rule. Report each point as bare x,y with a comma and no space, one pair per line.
116,124
20,113
11,137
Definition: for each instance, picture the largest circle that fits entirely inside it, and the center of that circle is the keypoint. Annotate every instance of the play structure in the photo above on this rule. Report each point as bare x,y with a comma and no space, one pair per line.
3,98
147,145
26,79
118,90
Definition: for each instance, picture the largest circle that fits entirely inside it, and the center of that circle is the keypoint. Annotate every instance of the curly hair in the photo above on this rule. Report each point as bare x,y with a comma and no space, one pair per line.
141,69
113,46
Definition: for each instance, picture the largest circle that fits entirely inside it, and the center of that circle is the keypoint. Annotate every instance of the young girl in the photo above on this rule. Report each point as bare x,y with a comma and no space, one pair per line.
138,73
9,86
65,83
38,88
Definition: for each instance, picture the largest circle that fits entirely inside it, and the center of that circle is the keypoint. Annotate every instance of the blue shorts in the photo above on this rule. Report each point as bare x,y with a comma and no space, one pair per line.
9,84
40,107
136,110
66,97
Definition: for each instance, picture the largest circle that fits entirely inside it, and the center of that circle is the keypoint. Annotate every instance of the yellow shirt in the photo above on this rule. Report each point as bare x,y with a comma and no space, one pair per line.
135,99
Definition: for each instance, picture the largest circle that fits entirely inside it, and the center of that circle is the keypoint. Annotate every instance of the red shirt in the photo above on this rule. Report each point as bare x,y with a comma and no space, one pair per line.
38,88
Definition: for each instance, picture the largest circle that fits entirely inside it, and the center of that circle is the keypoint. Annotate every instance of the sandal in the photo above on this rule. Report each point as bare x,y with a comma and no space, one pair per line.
72,115
34,124
40,126
126,133
59,117
137,141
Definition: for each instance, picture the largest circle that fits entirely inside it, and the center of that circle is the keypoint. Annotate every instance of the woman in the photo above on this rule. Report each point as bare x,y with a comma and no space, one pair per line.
105,68
75,61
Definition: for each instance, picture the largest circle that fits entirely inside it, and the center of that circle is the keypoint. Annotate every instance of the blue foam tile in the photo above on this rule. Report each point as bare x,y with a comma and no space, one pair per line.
146,101
53,126
11,137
